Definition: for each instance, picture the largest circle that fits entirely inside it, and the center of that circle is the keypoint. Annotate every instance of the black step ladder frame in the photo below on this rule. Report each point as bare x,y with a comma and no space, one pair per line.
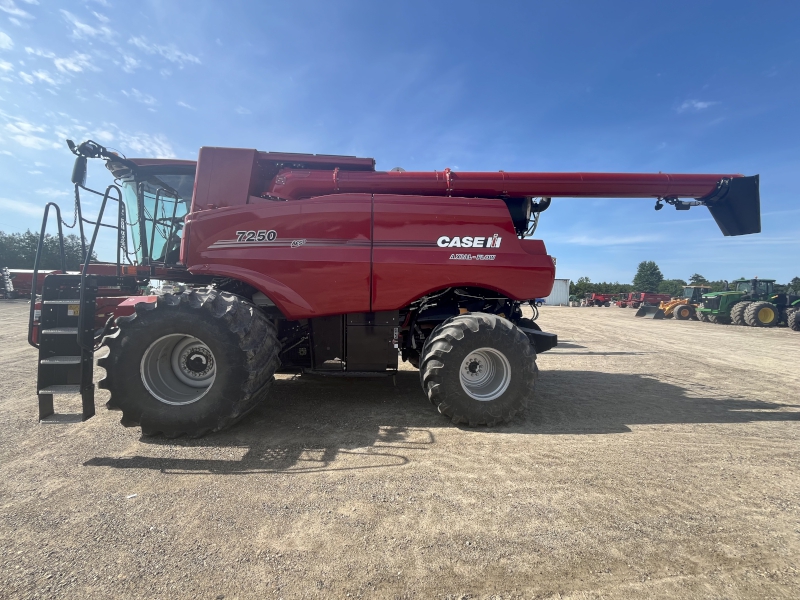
88,285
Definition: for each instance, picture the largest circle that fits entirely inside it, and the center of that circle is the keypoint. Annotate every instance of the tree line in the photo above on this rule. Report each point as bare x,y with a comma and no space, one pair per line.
649,278
18,251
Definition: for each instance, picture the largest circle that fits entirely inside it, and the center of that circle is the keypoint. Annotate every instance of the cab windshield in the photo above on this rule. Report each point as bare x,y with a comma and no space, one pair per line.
166,198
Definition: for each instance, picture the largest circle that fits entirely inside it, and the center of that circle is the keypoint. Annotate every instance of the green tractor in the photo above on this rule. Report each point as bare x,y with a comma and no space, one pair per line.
751,302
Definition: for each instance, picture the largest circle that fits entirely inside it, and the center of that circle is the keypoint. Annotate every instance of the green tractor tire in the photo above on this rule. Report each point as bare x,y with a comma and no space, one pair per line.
703,317
793,320
761,314
737,312
719,319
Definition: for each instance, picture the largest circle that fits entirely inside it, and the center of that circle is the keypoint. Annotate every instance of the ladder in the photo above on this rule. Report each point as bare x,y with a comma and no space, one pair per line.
66,330
66,342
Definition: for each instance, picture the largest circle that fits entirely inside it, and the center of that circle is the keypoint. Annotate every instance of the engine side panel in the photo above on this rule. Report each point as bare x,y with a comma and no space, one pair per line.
411,256
310,257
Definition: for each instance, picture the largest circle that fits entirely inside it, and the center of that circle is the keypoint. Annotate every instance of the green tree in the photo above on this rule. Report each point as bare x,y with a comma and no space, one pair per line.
18,251
673,287
648,277
697,279
794,284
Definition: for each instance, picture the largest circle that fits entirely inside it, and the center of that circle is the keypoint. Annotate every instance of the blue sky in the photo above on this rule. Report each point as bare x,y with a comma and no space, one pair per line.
529,86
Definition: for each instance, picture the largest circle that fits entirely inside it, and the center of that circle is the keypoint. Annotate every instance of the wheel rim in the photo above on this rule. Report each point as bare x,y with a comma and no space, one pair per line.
485,374
178,369
766,315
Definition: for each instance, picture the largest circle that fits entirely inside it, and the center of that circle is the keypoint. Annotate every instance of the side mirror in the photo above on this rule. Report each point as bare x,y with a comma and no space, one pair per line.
79,171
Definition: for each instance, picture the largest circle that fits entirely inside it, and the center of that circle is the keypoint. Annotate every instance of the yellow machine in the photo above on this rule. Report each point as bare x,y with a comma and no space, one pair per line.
683,308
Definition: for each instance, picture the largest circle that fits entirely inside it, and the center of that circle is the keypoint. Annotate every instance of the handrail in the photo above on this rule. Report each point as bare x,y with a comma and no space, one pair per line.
36,261
82,315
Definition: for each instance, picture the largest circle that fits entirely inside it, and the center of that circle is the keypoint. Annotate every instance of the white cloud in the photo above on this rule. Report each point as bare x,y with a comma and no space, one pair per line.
6,43
6,66
695,105
101,18
75,63
104,136
156,146
242,110
25,77
131,64
52,192
21,207
588,240
14,21
84,31
10,7
38,52
184,105
170,52
43,75
145,99
24,134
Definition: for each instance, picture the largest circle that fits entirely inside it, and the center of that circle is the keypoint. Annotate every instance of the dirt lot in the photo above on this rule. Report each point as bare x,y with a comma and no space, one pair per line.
661,460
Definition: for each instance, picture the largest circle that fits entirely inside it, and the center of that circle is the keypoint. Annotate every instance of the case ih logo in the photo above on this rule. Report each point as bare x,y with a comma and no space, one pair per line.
469,242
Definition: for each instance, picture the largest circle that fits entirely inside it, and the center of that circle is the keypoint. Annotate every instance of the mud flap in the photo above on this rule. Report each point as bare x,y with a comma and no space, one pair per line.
736,206
651,312
541,340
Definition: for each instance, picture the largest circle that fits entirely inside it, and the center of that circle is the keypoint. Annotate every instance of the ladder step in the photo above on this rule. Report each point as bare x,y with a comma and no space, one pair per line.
70,301
61,360
61,331
61,389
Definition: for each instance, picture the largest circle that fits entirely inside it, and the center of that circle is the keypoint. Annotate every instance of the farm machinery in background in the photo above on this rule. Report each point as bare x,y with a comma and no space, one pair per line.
647,303
751,302
594,299
682,308
321,264
7,291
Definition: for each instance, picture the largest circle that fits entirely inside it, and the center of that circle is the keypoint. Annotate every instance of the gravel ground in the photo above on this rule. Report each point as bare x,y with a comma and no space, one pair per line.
660,460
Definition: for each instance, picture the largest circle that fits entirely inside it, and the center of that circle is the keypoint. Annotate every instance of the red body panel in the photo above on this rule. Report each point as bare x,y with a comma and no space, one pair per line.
330,255
318,264
408,263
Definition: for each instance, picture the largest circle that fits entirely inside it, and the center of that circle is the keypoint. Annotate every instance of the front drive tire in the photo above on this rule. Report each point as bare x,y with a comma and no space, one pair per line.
478,369
190,364
737,312
683,312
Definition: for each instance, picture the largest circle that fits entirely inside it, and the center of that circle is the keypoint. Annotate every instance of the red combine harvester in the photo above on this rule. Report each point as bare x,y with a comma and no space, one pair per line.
637,299
599,299
320,263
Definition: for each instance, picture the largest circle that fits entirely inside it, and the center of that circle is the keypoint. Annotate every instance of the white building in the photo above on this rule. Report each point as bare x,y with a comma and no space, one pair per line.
560,294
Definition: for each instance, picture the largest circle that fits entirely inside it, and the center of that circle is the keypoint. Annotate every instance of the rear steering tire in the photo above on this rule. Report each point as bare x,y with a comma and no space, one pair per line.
761,314
478,369
190,364
793,320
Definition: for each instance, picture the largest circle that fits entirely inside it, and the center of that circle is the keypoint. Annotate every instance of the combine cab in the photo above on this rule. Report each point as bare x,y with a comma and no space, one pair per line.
319,264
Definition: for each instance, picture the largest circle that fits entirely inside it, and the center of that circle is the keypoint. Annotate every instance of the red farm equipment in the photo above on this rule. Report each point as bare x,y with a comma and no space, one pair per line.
595,299
321,264
648,303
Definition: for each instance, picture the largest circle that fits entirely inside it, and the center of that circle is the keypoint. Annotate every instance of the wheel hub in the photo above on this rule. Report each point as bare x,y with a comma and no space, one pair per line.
765,315
485,374
178,369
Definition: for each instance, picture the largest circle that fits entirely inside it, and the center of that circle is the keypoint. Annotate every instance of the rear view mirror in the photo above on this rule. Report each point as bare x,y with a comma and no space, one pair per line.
79,171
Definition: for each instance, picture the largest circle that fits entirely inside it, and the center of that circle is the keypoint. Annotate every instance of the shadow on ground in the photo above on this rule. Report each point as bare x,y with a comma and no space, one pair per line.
311,421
